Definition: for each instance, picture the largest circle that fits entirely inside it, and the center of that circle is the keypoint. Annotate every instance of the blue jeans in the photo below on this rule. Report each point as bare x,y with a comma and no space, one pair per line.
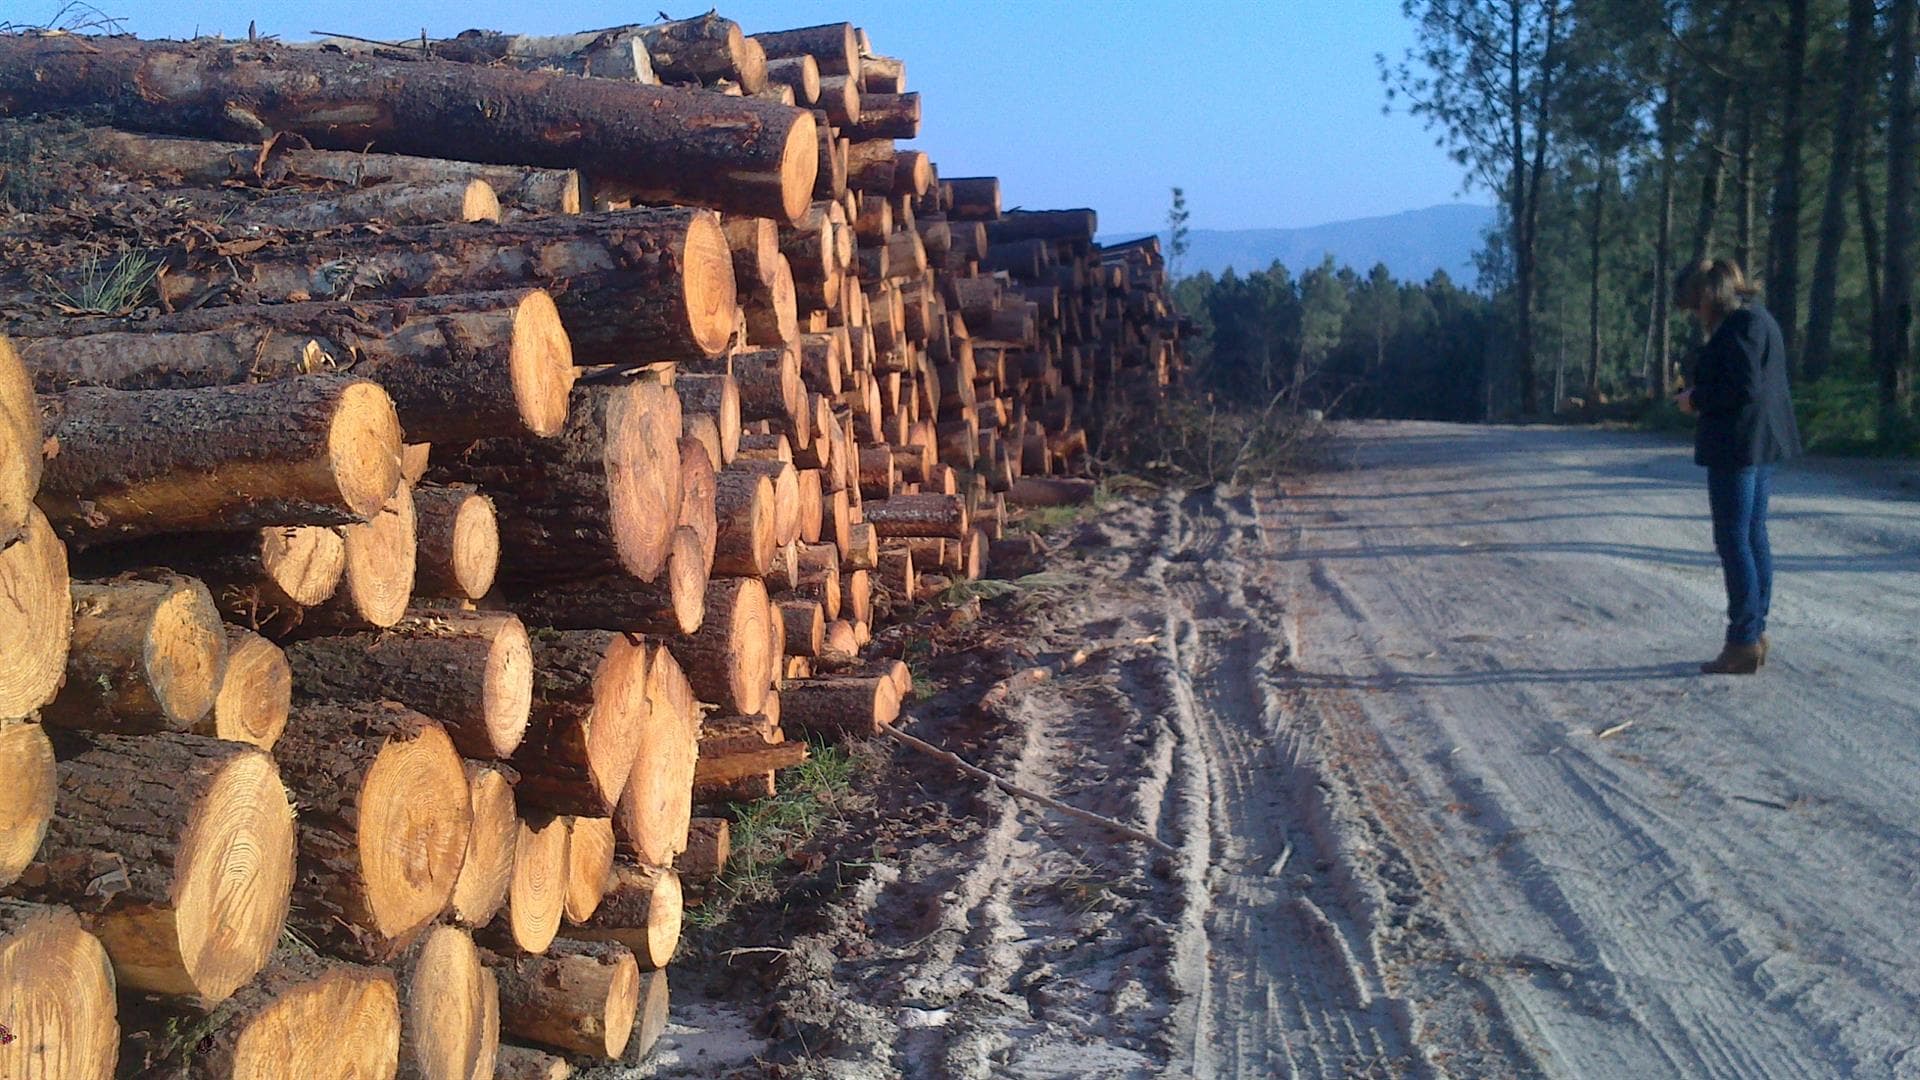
1738,498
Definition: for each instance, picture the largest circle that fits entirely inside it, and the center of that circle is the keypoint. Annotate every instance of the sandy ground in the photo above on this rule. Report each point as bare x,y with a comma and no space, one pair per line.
1447,794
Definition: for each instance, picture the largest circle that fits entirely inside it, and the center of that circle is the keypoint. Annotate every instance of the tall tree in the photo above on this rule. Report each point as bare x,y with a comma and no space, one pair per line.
1483,72
1855,67
1894,352
1783,254
1177,238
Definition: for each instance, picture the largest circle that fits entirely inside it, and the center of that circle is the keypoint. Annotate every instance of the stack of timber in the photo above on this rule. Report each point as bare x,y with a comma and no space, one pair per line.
423,521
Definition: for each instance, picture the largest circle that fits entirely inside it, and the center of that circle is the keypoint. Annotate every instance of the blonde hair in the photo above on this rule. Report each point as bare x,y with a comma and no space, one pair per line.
1716,284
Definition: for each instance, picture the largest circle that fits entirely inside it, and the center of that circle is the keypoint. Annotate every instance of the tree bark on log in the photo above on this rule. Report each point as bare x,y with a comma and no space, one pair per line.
537,898
806,626
262,578
883,74
589,710
147,655
833,46
602,497
673,603
651,821
470,671
704,50
716,395
744,510
860,707
727,661
650,143
839,102
178,852
377,583
459,538
581,997
208,163
526,1063
918,516
256,691
450,1009
21,444
801,74
709,845
642,910
772,314
384,823
36,622
886,116
318,451
27,785
457,367
487,871
590,847
785,483
59,989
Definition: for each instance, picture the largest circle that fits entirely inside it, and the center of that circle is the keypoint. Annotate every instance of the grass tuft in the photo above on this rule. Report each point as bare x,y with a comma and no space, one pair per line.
114,291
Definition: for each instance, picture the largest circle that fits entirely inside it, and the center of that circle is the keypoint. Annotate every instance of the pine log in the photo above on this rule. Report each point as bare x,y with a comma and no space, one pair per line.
384,824
835,707
580,996
833,46
36,621
589,715
450,1009
883,74
526,1063
709,845
602,497
652,143
377,583
302,211
459,537
975,198
703,50
487,871
147,656
21,444
318,451
785,483
641,910
256,691
897,578
745,510
1052,225
27,785
457,367
673,603
812,508
738,765
716,395
261,578
537,897
886,116
59,988
918,516
769,384
871,170
651,821
589,862
728,661
858,589
772,315
207,163
754,242
471,671
302,1016
805,626
801,74
839,103
651,1022
818,577
177,850
699,495
616,53
647,284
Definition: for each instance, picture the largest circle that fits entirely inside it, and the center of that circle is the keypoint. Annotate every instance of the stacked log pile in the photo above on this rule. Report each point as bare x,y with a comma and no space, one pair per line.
399,559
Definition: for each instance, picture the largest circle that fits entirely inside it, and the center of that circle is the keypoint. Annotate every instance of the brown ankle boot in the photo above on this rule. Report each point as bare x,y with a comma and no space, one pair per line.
1735,660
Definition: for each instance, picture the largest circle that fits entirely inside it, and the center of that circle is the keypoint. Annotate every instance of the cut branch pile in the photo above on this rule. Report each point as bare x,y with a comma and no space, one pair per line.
396,557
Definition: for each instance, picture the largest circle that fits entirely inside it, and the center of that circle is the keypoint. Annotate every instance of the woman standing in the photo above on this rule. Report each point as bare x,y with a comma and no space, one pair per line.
1739,390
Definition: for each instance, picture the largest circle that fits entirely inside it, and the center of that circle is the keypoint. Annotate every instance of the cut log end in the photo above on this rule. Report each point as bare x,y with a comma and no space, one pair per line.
148,655
708,283
479,202
799,167
540,361
507,695
339,1020
450,1023
59,989
643,469
589,862
363,448
580,997
487,871
304,562
414,816
36,620
20,443
537,897
657,803
643,910
27,784
255,693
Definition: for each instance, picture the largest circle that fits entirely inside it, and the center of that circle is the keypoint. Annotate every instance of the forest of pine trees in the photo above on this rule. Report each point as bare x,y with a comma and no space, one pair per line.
1624,139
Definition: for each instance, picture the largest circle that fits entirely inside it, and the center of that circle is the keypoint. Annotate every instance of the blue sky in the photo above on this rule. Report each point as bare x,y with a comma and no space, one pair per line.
1267,113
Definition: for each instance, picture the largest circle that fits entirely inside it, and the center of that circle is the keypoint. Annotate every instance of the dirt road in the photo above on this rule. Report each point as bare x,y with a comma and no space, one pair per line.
1448,794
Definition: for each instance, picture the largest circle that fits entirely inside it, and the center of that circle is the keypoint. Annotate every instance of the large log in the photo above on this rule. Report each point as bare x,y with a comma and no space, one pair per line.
302,1017
918,516
457,367
1016,225
833,46
20,444
785,483
801,74
177,850
459,536
975,198
616,53
471,671
886,116
651,1023
260,578
602,497
209,163
487,871
641,910
256,691
673,603
36,621
651,820
589,714
651,143
728,661
27,785
716,395
703,50
384,820
59,989
581,996
837,707
744,511
318,451
377,582
450,1009
147,655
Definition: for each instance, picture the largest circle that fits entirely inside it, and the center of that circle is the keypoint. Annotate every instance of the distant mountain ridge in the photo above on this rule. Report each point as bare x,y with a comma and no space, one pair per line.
1412,244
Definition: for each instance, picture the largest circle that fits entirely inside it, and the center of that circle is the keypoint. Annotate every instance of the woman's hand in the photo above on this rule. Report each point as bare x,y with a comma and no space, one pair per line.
1684,401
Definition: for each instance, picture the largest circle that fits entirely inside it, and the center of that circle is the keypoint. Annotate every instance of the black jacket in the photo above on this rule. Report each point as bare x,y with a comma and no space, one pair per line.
1740,392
